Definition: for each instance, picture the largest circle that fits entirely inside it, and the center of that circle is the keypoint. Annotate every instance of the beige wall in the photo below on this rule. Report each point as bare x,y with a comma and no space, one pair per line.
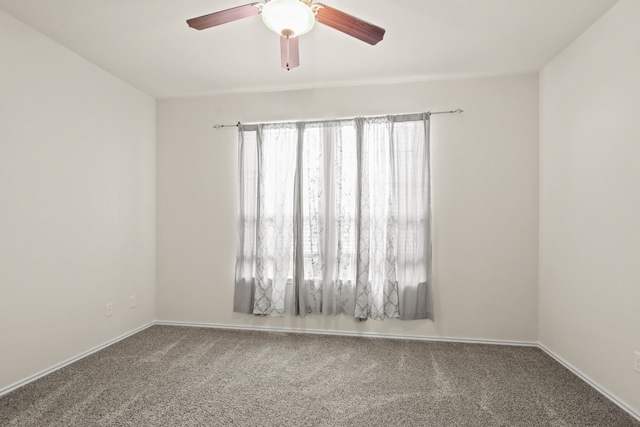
485,192
77,200
590,202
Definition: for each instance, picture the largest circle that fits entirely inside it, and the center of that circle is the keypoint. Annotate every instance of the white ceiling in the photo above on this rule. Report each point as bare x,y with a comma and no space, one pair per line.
148,44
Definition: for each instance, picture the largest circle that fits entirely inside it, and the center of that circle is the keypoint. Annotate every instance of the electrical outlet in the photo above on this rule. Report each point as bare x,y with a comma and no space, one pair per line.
132,301
636,361
109,309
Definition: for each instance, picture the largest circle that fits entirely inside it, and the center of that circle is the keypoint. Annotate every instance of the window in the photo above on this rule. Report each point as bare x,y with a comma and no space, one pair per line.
334,217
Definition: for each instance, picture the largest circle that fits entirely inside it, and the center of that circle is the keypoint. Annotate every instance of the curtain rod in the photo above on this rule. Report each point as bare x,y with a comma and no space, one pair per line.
458,111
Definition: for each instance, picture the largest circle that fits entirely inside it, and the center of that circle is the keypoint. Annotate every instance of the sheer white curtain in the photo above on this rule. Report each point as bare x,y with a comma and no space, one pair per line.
334,218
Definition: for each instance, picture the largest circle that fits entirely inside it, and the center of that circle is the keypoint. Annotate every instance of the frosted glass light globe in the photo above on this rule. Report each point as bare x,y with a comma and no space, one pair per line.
288,17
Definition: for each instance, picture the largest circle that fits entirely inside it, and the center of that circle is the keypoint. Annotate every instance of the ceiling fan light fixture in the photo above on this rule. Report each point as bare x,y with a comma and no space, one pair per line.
289,18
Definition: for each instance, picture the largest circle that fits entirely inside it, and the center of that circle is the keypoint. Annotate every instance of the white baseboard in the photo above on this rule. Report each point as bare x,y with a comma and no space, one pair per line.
69,361
346,333
591,382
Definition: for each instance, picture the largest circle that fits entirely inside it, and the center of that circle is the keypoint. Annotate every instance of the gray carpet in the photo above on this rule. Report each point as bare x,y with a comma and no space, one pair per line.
181,376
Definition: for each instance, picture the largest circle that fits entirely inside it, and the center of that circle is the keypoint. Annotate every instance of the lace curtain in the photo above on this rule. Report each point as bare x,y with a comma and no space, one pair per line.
334,218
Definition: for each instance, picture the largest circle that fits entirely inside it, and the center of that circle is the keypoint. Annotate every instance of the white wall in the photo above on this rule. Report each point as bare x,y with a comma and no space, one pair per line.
77,201
485,189
590,202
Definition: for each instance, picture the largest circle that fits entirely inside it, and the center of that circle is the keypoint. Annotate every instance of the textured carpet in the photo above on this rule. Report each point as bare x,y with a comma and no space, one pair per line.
181,376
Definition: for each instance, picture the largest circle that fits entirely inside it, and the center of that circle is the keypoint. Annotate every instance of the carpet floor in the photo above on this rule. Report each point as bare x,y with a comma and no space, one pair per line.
183,376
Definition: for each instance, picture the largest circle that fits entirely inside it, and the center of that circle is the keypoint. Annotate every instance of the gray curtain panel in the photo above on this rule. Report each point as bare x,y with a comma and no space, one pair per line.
335,218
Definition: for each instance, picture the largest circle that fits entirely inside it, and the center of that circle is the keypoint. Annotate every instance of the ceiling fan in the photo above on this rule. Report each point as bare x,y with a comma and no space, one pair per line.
291,19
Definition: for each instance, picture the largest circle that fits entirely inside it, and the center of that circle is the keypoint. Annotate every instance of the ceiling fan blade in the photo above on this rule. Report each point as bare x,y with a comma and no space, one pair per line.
289,52
224,16
348,24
